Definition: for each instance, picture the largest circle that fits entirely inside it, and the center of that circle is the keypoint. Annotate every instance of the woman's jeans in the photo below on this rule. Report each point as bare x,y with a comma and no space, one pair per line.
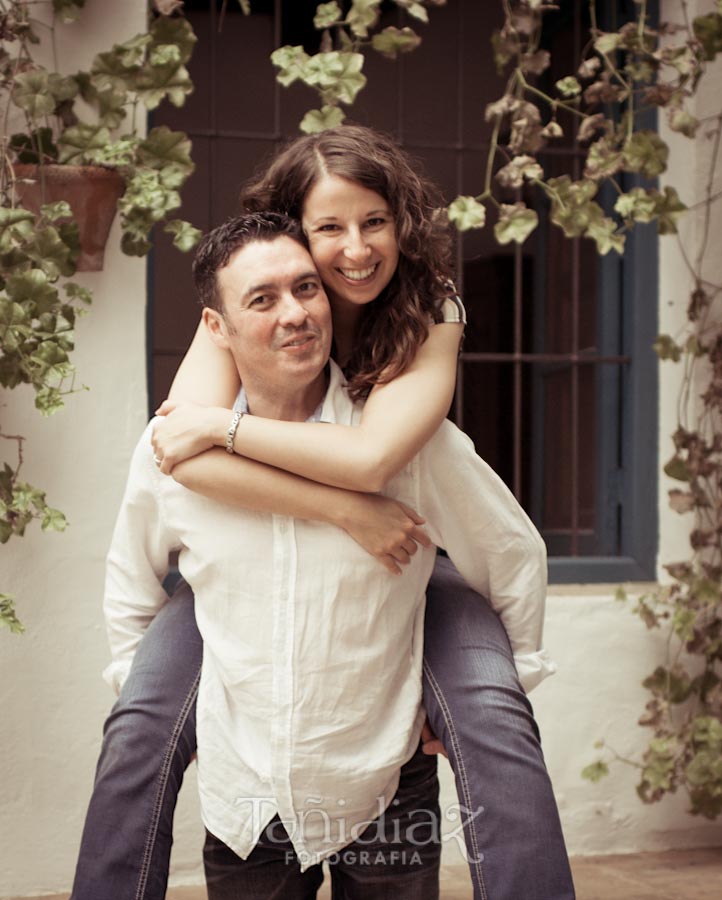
475,705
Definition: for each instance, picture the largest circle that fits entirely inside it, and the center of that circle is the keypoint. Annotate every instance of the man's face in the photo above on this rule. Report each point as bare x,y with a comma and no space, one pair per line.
276,320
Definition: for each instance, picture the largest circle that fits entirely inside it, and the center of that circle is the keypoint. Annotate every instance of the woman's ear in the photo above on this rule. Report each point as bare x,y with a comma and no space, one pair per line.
216,325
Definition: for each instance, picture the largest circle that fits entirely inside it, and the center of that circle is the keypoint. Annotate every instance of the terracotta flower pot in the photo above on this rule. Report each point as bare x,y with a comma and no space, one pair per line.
91,191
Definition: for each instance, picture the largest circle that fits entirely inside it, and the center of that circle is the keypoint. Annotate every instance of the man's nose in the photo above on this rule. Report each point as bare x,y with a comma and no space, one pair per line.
357,248
292,312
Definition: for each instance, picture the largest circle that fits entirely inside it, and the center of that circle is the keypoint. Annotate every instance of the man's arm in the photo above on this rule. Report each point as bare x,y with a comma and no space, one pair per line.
137,562
472,514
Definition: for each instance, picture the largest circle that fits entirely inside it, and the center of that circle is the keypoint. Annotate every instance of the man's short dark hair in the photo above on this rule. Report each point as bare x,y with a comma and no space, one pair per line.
217,247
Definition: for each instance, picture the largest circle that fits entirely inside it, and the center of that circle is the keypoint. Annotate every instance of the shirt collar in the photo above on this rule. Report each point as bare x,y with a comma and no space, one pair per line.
325,411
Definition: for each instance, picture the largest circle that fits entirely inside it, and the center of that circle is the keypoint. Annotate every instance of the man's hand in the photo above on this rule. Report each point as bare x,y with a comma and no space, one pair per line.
430,744
185,431
385,528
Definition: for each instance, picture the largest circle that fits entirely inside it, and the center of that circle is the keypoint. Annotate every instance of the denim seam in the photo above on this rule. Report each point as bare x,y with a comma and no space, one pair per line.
171,747
475,864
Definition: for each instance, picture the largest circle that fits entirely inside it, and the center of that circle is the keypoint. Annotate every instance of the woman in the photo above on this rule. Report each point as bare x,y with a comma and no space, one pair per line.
382,253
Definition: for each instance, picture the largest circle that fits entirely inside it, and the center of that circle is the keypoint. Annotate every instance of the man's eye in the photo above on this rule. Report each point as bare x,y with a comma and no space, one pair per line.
263,300
308,287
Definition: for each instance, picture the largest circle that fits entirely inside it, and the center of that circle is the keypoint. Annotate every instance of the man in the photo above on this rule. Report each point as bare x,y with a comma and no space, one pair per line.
309,707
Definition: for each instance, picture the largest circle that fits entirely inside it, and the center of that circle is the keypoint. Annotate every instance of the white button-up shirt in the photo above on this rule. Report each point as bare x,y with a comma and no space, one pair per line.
310,694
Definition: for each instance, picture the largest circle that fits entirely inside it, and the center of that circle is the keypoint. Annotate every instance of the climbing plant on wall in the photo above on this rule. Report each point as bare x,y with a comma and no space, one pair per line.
604,104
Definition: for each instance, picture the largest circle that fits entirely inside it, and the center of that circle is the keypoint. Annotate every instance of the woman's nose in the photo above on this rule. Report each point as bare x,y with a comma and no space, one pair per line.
357,248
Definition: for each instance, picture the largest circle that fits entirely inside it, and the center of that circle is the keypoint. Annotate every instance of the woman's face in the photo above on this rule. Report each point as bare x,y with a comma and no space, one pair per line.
352,237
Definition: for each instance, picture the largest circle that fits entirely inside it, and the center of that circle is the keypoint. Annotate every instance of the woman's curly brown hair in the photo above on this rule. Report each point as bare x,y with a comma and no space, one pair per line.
395,325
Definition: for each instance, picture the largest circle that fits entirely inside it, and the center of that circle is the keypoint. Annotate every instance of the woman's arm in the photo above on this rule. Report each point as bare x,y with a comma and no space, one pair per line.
386,529
207,374
398,419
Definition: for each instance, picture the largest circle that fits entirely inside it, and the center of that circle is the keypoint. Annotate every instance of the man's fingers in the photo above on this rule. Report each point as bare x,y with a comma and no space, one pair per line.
431,748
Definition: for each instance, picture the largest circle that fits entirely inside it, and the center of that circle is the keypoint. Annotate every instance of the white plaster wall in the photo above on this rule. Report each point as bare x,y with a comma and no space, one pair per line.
52,700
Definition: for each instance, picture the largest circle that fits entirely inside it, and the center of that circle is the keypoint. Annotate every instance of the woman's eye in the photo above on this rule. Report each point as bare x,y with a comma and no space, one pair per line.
376,222
328,228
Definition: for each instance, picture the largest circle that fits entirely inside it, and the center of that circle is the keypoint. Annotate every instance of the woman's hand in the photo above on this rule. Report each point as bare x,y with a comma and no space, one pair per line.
186,430
386,529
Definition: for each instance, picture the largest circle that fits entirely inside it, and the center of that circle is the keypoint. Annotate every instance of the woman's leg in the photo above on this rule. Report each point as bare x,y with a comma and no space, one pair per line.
149,739
478,709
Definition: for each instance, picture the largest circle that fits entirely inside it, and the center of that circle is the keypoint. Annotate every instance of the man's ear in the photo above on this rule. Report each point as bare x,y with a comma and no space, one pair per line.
216,325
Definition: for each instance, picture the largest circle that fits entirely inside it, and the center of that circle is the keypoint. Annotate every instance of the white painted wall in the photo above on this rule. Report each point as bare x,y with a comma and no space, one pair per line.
52,700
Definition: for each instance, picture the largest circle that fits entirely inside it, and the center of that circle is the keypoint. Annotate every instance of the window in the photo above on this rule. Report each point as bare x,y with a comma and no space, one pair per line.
557,379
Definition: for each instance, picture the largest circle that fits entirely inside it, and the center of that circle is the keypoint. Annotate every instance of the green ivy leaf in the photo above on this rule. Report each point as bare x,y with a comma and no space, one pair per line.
392,41
177,31
415,9
15,223
327,14
8,618
164,55
466,212
607,43
362,16
32,287
708,31
155,83
515,223
683,122
53,520
676,468
68,10
595,771
31,92
603,160
512,175
569,86
62,87
638,205
185,236
77,293
571,204
49,400
317,120
337,75
292,61
58,210
603,231
669,209
80,143
645,152
169,151
51,253
117,153
672,684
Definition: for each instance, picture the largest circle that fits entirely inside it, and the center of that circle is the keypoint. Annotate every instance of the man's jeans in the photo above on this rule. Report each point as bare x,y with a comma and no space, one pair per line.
397,855
475,705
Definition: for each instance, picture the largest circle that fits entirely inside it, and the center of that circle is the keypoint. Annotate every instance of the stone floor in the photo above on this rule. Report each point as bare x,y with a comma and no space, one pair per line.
672,875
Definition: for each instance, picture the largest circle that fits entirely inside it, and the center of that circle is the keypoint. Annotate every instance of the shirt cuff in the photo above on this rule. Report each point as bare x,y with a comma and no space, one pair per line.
115,674
533,668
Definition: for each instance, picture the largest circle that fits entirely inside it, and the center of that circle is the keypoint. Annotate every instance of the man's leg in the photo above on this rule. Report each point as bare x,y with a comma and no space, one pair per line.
478,709
397,857
271,872
149,739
